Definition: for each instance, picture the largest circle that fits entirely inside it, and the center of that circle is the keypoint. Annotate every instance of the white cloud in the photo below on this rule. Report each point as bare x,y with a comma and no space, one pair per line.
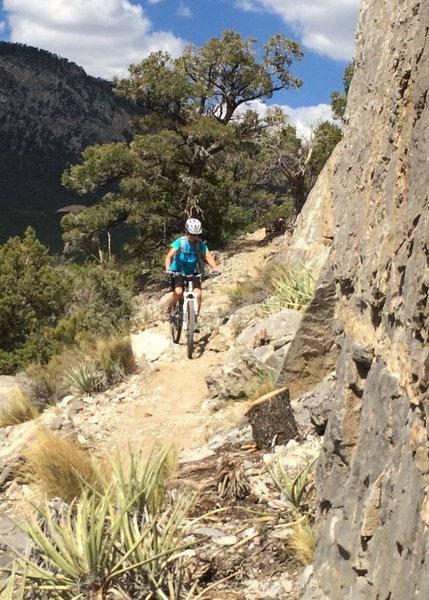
184,11
2,26
304,118
325,26
102,36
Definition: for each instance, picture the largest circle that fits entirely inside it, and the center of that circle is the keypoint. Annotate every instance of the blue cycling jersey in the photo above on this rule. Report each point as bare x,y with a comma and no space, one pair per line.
186,260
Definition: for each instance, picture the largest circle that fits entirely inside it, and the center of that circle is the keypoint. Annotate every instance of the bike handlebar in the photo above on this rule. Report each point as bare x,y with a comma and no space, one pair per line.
201,275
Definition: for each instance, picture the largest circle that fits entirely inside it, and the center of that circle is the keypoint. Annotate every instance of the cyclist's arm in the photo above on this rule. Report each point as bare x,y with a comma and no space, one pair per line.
211,261
169,258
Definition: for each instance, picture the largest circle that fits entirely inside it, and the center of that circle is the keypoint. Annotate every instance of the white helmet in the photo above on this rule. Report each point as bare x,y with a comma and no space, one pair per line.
193,226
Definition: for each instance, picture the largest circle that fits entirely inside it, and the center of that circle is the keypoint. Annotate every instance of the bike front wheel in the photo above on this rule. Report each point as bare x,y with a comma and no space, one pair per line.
191,328
176,322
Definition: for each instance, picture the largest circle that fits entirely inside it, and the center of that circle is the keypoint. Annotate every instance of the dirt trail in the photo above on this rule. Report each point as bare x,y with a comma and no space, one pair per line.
169,410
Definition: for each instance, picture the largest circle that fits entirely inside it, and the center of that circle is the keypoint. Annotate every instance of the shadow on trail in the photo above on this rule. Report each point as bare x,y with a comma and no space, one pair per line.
200,345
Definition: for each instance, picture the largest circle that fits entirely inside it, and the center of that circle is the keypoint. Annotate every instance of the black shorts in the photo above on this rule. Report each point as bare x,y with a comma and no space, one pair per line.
178,281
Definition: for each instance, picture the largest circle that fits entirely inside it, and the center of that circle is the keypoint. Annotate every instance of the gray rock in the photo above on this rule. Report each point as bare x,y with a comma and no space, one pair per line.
238,379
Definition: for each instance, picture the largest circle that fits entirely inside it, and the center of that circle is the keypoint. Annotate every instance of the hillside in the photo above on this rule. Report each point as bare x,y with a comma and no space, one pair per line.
170,401
50,110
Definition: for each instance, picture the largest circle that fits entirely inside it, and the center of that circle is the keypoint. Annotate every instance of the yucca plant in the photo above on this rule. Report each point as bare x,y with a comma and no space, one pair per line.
13,586
293,288
18,410
86,378
59,466
142,482
101,543
294,489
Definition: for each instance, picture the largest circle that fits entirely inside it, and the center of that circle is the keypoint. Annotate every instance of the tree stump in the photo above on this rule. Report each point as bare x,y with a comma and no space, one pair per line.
272,419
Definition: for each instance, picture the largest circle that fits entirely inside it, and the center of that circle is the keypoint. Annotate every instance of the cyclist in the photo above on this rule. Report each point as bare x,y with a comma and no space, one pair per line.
186,256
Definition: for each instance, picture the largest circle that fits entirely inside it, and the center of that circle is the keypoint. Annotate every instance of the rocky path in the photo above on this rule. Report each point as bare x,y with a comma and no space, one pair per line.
164,402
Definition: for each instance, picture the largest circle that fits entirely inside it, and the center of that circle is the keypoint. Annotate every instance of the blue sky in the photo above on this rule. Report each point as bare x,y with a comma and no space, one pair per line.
106,36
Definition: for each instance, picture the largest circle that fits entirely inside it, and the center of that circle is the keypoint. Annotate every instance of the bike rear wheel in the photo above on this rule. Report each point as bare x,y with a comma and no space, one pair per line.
176,322
191,328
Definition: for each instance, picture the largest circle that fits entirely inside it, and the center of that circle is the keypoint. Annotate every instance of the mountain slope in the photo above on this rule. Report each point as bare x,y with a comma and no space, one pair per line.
50,110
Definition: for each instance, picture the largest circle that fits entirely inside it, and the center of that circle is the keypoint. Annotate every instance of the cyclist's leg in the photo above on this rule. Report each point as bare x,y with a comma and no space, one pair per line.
177,285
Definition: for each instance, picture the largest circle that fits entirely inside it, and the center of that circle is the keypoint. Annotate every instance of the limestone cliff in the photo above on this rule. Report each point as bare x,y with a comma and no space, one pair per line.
373,475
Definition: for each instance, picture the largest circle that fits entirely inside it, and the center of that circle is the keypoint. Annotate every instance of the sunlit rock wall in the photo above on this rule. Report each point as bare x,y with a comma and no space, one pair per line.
373,475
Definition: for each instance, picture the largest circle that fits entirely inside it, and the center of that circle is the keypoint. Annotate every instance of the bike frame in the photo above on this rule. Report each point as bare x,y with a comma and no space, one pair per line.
188,296
186,313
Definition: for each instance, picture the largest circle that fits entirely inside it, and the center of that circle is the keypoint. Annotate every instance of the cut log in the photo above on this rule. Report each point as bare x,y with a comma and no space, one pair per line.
272,419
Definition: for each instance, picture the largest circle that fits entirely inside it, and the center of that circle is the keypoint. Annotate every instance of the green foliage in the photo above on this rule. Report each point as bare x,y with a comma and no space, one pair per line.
294,489
102,304
86,378
236,294
338,99
46,307
190,154
118,541
48,382
33,295
280,211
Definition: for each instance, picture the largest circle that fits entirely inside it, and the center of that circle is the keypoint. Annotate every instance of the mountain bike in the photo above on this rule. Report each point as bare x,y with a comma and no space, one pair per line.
184,314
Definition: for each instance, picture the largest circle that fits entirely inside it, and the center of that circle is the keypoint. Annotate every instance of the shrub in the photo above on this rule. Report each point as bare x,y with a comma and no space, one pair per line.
48,383
34,293
102,305
264,382
116,358
59,466
294,489
236,294
18,410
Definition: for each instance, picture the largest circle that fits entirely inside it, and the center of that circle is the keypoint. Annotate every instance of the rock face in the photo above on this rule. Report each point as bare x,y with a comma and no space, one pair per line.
374,470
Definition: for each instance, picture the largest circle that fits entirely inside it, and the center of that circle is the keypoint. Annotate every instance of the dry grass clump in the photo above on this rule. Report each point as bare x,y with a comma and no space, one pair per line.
49,382
262,383
302,540
59,466
116,358
18,410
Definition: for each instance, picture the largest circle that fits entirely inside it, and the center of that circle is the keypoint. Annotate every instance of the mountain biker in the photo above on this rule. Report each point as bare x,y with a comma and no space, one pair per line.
184,258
